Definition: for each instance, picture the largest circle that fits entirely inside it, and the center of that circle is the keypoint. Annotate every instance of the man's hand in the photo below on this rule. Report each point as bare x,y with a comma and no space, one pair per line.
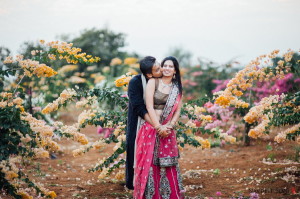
148,119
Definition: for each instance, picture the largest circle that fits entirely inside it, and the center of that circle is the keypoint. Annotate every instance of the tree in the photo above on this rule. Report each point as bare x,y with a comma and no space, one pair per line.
102,43
184,57
4,52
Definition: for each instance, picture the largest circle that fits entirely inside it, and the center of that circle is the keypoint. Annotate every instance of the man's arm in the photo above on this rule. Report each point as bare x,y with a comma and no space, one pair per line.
135,94
148,119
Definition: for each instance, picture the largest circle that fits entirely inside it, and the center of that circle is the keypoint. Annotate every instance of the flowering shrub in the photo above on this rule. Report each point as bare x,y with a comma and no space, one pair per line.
245,78
23,135
28,135
201,116
274,111
56,50
123,80
117,118
265,76
288,84
265,88
199,81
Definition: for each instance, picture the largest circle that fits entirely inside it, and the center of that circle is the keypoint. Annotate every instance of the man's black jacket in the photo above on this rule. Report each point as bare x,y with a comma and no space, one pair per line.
136,108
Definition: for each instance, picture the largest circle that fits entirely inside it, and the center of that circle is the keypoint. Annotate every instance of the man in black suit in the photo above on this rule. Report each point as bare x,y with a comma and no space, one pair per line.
137,108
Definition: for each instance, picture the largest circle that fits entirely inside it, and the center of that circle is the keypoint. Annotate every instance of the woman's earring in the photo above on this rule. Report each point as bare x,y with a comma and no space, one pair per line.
174,76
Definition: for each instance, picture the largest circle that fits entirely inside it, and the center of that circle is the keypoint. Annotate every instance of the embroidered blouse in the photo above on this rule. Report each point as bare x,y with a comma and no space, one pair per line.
160,98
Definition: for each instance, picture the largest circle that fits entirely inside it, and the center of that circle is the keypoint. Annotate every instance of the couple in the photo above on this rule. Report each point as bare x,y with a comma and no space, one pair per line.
152,168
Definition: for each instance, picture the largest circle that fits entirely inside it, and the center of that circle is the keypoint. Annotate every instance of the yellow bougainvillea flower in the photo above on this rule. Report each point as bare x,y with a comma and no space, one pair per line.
130,60
120,175
99,78
205,144
116,61
67,68
133,71
106,69
223,101
25,195
51,194
11,175
124,80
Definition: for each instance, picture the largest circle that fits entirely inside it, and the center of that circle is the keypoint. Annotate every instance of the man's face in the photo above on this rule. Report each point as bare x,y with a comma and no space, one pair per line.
156,70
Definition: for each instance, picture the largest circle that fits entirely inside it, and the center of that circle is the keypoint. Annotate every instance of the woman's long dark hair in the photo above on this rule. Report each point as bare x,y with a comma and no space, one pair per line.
177,79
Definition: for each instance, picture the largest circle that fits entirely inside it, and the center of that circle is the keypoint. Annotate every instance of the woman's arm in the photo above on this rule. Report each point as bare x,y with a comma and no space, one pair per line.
150,88
176,114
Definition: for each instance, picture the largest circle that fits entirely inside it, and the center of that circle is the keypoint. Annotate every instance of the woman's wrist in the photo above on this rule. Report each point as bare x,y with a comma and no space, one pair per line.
157,126
172,124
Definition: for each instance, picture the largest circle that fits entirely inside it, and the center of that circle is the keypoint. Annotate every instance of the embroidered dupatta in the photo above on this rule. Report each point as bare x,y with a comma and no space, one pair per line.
150,148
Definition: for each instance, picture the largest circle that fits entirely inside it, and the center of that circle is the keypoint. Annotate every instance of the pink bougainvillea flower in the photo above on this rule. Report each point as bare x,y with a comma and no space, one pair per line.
208,104
221,84
198,123
37,108
197,73
192,83
99,130
218,193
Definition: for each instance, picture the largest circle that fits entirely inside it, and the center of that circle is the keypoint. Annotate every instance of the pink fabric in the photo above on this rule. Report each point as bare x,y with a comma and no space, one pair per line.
168,145
144,157
106,131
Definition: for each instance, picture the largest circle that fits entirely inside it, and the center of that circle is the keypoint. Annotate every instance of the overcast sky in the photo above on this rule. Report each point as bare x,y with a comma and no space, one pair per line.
215,29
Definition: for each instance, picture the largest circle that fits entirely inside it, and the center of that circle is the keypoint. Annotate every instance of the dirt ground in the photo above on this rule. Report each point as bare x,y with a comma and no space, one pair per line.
231,170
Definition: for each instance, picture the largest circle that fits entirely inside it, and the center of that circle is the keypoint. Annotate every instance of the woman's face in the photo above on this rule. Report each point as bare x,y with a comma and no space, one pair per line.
168,68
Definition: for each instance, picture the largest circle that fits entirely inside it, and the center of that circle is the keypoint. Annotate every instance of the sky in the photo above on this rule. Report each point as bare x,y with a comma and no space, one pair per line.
217,30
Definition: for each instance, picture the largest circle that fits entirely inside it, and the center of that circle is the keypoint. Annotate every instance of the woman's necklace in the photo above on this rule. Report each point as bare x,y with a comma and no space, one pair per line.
165,85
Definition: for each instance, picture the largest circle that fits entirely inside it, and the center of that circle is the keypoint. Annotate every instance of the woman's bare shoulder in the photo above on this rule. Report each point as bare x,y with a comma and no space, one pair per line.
151,81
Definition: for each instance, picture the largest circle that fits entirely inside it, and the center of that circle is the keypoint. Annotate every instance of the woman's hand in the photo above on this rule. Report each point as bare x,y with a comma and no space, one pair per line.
163,131
169,126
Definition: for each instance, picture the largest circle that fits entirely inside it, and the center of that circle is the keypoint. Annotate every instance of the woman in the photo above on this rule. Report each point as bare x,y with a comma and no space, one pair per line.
157,173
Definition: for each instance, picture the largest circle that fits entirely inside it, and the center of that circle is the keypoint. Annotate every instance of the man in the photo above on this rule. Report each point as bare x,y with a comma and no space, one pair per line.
137,108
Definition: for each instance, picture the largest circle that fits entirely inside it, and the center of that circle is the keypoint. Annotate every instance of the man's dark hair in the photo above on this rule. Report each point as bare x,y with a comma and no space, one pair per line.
146,65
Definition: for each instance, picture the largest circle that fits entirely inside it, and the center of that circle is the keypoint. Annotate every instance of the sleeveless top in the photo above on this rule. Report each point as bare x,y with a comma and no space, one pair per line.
160,99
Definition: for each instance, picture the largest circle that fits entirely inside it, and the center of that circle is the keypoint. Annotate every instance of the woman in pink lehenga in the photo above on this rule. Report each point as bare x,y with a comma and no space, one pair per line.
156,170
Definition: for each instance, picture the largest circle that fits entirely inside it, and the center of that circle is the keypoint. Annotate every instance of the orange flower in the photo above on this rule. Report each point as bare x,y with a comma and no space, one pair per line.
237,92
223,101
122,81
130,60
116,61
252,133
51,194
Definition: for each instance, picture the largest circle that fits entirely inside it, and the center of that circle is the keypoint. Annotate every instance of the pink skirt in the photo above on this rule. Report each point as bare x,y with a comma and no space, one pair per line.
153,181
